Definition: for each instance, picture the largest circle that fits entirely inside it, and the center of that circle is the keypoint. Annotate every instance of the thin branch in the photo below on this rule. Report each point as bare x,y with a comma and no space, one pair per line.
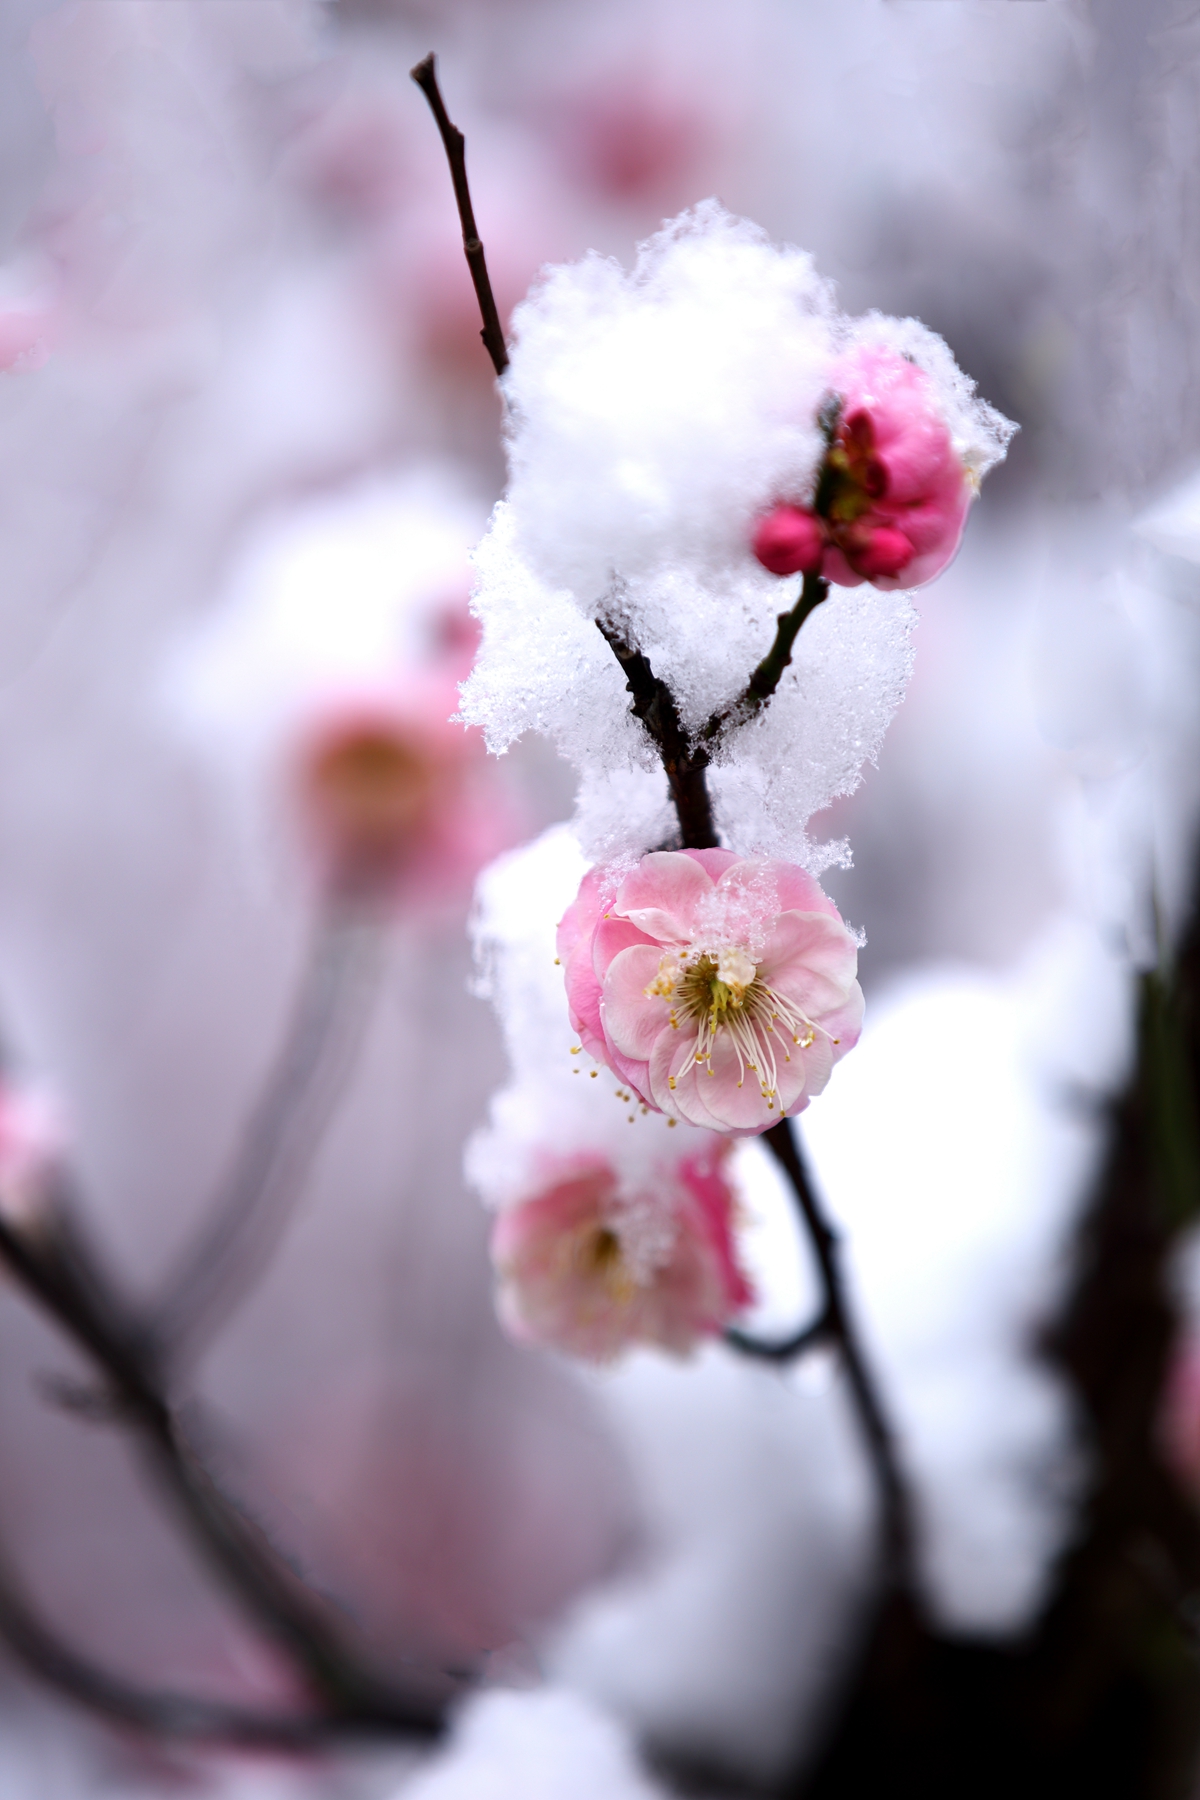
54,1264
766,677
425,76
256,1198
654,704
162,1713
784,1350
897,1520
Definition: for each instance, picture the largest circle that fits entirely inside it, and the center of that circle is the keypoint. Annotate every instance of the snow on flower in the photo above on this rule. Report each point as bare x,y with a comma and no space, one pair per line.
656,417
325,684
721,989
892,494
592,1267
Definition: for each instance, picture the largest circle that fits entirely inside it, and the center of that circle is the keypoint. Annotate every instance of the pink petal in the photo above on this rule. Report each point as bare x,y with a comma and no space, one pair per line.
812,959
663,895
634,1020
611,936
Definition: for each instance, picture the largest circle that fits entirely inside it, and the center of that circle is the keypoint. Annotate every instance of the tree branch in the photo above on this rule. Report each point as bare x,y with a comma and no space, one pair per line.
684,763
53,1263
425,76
897,1520
255,1200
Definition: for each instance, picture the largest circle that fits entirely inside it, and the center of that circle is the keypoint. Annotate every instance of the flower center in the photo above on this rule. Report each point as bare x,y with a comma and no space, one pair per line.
721,991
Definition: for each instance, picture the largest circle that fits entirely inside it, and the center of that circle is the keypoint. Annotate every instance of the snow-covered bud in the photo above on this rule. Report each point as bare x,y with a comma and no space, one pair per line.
721,988
893,492
592,1267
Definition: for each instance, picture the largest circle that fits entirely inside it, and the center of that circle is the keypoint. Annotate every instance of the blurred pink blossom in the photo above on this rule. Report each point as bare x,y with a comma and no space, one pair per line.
893,493
397,801
704,968
32,1142
593,1268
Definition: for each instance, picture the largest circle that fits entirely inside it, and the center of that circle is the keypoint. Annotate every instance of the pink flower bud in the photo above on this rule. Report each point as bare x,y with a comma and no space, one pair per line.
892,494
790,541
591,1268
894,491
720,988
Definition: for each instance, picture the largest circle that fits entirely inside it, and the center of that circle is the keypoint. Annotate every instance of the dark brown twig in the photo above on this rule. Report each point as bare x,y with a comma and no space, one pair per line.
766,677
162,1713
255,1201
425,76
838,1326
654,704
783,1350
53,1263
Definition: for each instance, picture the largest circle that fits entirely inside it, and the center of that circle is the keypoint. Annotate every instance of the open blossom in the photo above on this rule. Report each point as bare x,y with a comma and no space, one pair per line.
592,1266
393,797
893,493
721,988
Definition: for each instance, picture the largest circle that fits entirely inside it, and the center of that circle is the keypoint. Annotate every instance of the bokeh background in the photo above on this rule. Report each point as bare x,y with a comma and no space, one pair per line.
241,379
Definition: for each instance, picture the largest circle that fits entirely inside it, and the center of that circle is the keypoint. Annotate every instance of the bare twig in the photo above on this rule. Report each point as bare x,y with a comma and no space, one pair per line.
654,705
783,1350
897,1520
425,76
160,1712
766,677
54,1264
255,1200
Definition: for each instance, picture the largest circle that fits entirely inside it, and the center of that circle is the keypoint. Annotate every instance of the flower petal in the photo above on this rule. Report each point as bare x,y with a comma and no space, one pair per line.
634,1020
664,894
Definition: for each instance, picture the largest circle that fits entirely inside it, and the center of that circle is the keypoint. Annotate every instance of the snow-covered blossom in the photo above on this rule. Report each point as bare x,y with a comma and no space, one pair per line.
392,797
655,418
722,989
326,682
591,1267
892,494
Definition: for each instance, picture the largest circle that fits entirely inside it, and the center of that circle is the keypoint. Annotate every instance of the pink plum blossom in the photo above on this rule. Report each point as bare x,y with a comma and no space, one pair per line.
892,494
32,1142
592,1266
721,988
396,801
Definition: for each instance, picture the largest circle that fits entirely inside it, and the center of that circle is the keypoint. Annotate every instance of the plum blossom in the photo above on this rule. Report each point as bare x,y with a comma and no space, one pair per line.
593,1265
720,988
32,1141
392,798
892,494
